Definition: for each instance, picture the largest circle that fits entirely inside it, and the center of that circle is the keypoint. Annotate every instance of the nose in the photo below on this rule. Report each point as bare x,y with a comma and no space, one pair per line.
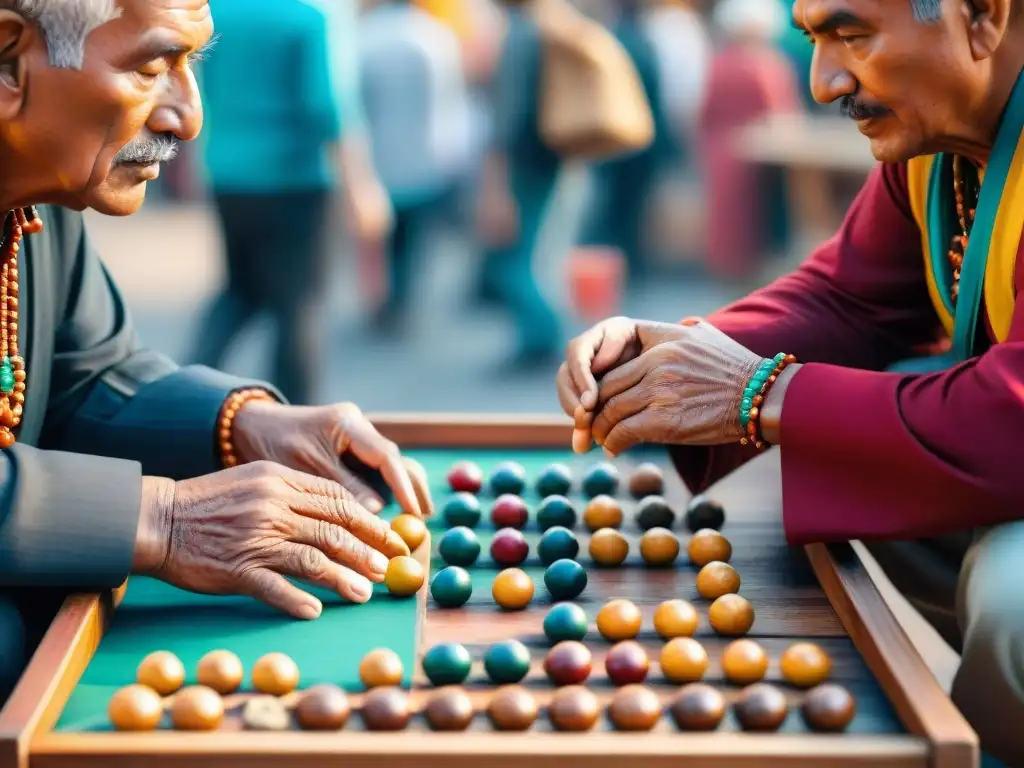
180,110
830,80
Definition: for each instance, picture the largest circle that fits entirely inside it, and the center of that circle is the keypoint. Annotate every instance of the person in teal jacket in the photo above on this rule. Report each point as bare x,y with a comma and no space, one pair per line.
519,178
283,129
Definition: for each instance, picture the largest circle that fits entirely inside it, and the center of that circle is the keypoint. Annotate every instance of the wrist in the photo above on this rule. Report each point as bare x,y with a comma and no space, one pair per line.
156,521
247,424
771,410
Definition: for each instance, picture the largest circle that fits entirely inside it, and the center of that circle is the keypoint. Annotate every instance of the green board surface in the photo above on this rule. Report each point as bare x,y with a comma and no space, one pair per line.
155,616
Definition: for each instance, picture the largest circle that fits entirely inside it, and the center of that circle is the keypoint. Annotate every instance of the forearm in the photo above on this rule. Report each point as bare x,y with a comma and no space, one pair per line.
860,301
869,455
169,425
355,162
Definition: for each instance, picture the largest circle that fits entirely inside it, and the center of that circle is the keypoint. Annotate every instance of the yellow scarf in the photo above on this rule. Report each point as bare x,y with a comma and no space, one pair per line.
999,293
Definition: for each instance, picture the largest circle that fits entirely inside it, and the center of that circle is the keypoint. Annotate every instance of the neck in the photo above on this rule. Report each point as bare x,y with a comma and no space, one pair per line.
15,190
976,140
9,182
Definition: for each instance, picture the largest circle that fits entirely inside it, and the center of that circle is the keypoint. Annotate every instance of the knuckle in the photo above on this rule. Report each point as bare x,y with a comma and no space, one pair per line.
310,561
612,408
376,530
263,468
266,486
344,510
327,537
249,580
347,411
352,550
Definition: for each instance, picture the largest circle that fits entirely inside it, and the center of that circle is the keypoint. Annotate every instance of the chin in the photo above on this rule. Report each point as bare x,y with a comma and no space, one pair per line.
111,201
892,150
890,141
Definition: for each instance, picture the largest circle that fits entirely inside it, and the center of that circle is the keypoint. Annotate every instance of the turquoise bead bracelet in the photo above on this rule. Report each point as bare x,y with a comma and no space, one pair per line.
755,393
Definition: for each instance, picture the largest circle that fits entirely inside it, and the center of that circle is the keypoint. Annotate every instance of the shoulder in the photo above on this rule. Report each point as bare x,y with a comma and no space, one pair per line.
63,232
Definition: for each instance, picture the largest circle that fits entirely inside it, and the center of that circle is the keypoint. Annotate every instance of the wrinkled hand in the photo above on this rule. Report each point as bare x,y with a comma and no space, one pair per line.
604,347
312,439
683,391
243,530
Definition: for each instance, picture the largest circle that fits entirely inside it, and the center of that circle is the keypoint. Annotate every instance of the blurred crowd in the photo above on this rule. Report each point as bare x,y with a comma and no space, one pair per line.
404,119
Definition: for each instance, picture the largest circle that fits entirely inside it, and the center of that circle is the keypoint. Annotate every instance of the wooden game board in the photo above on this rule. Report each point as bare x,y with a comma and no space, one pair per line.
822,593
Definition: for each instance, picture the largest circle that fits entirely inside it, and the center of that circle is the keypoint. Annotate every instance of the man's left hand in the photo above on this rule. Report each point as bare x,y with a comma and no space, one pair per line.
685,391
313,439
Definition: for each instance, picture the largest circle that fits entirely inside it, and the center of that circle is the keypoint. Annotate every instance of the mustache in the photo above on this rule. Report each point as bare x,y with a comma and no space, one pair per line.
856,110
146,150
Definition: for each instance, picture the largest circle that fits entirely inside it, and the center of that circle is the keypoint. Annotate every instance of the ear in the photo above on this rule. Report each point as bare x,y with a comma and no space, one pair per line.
988,24
16,37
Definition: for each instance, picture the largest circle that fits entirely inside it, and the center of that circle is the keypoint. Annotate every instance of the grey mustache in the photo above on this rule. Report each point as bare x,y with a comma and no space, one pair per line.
854,109
156,149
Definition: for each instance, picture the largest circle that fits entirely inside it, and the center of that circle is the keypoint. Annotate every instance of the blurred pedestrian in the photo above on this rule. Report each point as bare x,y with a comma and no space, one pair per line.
624,187
517,185
750,80
418,119
682,49
284,127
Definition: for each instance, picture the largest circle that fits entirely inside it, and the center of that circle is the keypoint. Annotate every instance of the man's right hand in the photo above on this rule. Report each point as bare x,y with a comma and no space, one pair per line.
243,530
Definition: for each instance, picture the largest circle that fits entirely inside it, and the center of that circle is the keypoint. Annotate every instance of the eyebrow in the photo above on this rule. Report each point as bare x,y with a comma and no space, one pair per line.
831,23
161,45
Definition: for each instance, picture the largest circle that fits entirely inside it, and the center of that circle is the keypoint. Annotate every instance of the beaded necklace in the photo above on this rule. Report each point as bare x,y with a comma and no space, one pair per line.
16,224
958,246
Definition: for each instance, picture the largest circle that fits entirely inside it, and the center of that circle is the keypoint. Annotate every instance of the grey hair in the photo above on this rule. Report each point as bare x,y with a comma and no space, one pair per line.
65,24
927,10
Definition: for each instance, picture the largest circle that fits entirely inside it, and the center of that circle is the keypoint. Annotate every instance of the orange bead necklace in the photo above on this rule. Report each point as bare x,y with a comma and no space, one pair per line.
965,213
13,379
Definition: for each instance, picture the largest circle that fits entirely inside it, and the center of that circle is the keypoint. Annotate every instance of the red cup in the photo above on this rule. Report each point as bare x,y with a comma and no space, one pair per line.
596,277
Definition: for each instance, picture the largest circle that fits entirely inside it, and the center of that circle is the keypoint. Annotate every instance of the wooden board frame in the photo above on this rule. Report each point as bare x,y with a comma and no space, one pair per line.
938,737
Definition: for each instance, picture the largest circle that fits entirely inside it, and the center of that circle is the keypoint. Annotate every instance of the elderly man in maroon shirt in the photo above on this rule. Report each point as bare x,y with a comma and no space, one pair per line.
918,459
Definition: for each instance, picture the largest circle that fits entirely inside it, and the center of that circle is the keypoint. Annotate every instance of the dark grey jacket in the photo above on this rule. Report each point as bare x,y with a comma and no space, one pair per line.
101,411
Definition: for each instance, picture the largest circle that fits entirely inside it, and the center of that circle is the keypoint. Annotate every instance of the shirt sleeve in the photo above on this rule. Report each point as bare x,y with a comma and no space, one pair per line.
343,41
882,455
318,75
859,304
112,397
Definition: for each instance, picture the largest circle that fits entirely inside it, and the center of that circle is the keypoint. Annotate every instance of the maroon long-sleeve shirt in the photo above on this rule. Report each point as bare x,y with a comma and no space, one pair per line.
868,454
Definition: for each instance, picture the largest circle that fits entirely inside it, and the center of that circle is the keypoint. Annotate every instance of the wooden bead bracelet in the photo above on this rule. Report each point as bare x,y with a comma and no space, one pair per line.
226,423
754,395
